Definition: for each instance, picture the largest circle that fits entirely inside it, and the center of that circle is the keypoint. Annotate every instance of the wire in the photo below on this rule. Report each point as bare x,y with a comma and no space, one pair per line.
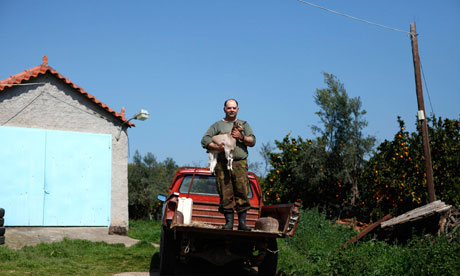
380,25
355,18
95,114
426,88
90,113
35,83
17,113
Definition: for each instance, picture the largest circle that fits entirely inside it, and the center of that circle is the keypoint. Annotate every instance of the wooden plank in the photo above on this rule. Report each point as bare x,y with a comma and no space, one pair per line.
368,229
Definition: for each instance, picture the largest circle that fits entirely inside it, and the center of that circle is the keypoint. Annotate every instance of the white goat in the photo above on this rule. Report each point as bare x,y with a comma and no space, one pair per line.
229,145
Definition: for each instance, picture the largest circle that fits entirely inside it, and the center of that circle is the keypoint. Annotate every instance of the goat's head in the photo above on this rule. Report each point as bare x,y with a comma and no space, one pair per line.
238,125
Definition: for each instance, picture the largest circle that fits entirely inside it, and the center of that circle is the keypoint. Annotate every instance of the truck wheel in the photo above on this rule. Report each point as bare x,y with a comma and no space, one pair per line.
270,262
2,231
168,250
2,239
152,270
2,212
2,220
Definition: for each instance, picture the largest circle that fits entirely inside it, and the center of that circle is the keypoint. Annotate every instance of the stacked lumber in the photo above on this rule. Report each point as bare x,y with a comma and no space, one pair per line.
435,207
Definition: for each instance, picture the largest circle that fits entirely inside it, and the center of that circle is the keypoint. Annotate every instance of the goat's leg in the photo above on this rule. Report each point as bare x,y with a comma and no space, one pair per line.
230,164
229,155
212,161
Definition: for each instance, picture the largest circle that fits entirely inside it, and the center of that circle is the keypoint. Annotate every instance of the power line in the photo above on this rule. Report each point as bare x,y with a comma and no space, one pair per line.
354,18
379,25
426,88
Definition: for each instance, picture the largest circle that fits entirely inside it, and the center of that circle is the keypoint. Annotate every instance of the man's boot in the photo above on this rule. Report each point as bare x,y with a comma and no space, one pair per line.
242,222
228,221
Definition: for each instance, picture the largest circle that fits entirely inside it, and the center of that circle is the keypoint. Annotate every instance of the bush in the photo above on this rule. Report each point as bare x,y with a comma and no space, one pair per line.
317,249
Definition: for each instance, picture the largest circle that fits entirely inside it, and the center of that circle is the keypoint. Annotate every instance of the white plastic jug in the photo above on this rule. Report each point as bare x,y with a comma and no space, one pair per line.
185,206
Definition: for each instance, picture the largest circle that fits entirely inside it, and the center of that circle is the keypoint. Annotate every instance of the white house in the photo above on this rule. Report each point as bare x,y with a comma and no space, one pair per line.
60,164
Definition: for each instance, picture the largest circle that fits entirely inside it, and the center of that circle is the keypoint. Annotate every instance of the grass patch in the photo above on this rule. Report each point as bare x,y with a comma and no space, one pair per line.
81,257
75,257
316,249
145,230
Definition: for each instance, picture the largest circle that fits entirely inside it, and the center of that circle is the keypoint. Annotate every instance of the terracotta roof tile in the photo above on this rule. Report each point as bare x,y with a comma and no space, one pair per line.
43,69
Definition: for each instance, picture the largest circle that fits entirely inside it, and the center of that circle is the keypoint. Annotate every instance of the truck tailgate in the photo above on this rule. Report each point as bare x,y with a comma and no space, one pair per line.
219,231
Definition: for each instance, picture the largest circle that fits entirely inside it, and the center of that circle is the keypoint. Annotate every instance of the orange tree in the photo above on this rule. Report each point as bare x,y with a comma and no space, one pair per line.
303,170
394,179
294,175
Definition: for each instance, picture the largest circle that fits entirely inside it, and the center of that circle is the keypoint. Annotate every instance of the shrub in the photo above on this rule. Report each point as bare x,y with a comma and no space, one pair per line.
317,249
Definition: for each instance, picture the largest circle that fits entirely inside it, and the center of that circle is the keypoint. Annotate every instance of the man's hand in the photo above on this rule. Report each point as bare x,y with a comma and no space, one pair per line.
215,147
237,134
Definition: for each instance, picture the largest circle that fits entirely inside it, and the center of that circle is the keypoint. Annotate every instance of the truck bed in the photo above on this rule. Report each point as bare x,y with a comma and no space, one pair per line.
207,219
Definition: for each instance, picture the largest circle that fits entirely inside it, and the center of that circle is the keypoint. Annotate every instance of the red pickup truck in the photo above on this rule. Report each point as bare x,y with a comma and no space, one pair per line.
200,235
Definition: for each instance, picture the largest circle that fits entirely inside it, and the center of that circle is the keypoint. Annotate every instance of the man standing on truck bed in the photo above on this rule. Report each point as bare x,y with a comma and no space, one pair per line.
233,186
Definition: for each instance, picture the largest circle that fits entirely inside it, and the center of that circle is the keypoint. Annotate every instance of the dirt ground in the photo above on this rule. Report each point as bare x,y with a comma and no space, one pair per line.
18,237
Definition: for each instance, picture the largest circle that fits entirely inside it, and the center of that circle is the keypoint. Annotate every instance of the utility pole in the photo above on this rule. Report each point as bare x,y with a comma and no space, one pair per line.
421,113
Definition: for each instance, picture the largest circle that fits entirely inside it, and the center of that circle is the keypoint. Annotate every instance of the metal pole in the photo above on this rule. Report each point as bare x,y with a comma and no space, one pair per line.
421,114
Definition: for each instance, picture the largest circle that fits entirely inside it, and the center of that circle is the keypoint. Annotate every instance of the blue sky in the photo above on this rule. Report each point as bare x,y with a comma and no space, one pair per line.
180,60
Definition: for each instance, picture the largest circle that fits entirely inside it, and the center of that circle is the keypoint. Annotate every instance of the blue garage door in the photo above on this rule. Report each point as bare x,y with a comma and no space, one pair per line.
55,178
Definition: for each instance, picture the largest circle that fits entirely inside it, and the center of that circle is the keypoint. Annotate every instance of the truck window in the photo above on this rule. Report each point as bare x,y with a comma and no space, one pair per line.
202,185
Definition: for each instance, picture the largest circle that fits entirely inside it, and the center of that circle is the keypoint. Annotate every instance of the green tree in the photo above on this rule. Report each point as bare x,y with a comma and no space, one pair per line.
146,179
341,135
324,170
265,151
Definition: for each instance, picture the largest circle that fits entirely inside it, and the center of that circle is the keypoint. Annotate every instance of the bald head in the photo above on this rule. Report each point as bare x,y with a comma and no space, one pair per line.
225,104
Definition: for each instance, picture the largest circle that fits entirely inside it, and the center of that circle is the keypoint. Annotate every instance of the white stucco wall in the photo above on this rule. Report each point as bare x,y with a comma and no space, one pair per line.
56,105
